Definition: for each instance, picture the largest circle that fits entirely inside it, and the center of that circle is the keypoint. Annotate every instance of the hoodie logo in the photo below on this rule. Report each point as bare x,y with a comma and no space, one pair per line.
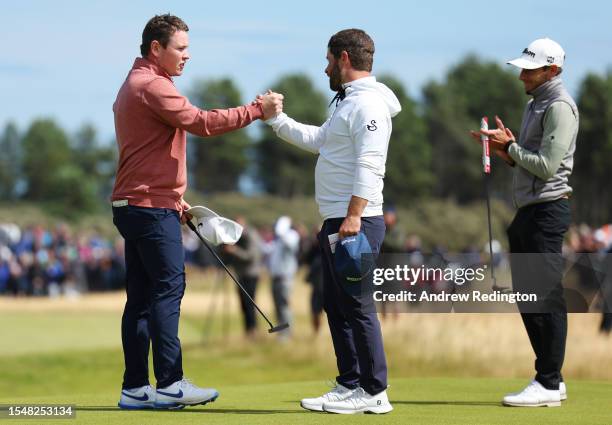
372,126
347,240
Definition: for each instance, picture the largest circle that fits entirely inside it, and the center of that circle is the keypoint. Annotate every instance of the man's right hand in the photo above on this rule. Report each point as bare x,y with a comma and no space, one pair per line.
271,103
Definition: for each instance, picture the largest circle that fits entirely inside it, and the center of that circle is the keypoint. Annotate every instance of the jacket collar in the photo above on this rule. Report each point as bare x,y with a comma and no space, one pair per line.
547,88
359,82
148,65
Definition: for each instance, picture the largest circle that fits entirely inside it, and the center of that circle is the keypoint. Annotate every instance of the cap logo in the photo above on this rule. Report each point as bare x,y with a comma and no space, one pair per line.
528,52
550,59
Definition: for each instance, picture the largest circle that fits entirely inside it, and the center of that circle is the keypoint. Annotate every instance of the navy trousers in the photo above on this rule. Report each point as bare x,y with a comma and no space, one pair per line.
352,318
155,284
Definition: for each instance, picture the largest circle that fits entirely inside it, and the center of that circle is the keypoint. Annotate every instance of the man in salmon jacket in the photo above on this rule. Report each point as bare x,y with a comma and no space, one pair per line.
151,122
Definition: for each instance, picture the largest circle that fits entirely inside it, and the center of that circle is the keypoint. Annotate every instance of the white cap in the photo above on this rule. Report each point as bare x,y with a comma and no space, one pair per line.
542,52
214,228
282,226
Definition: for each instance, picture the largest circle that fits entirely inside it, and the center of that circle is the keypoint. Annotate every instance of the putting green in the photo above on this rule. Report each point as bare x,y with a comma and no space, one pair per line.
436,375
416,401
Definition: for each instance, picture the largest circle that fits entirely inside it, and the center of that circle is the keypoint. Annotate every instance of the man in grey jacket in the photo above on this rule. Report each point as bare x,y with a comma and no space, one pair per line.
542,158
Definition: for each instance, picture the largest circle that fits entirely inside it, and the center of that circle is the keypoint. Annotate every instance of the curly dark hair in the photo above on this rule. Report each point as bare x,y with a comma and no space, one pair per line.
160,28
357,43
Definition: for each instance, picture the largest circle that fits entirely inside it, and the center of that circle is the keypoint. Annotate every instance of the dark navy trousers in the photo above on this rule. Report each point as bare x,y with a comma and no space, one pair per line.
155,284
352,318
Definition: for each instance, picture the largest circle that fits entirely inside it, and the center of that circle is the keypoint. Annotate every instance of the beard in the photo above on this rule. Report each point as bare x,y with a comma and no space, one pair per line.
335,80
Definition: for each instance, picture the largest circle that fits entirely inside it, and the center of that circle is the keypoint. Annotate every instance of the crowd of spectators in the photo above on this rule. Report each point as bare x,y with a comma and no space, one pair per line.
39,261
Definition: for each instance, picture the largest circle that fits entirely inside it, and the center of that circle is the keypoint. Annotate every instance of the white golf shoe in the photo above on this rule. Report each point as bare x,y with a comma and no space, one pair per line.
360,402
534,395
137,398
338,393
562,391
183,393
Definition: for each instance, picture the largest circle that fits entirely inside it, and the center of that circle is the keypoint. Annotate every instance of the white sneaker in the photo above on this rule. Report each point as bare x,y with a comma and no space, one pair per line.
360,402
562,391
534,395
183,393
137,398
338,393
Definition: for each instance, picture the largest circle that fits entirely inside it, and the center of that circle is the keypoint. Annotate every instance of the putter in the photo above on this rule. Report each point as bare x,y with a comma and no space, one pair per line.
486,168
212,251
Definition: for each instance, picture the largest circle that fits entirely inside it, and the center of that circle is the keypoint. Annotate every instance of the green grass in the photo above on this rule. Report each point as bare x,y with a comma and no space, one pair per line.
416,401
262,384
75,358
43,332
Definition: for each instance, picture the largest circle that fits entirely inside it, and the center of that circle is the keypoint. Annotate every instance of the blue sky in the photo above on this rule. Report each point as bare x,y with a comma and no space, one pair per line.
67,59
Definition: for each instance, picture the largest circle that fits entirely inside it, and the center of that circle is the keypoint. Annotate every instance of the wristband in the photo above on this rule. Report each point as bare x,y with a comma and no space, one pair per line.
507,145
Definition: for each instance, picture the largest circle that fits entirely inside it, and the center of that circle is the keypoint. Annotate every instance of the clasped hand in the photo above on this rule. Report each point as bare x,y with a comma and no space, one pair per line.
497,139
271,103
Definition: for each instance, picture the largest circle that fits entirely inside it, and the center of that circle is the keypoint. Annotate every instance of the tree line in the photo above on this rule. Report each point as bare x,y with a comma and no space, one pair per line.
431,155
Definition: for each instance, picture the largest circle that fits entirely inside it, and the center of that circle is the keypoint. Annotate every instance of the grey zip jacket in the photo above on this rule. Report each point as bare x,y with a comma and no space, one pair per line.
544,154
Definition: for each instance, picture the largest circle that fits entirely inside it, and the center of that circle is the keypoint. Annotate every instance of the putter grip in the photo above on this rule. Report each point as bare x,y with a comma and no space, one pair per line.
486,157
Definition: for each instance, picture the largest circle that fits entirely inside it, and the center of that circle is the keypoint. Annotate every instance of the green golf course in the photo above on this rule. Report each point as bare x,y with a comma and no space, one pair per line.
444,369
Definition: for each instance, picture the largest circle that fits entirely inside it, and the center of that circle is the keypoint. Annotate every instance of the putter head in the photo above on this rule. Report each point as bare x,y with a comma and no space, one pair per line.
278,328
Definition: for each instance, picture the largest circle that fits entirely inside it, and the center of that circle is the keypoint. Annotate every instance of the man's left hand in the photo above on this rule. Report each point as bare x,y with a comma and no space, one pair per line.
185,216
350,226
497,137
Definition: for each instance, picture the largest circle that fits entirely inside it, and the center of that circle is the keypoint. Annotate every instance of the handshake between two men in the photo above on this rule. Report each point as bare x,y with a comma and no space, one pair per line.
271,103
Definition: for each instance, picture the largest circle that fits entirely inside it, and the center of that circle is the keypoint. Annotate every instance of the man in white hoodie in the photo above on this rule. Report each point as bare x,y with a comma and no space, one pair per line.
352,148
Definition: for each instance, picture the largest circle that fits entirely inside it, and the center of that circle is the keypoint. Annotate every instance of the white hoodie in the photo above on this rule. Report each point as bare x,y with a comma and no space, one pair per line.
352,146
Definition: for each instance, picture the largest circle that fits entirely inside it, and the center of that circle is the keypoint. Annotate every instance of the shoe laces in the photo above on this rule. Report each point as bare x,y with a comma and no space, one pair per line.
358,397
187,383
533,387
336,390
